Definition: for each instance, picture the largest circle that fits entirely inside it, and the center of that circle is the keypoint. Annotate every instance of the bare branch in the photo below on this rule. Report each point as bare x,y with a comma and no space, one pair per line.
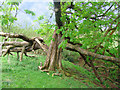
106,11
16,43
88,53
45,48
23,50
16,36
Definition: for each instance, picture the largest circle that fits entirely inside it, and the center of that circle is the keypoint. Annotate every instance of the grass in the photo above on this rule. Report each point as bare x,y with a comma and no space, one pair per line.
25,74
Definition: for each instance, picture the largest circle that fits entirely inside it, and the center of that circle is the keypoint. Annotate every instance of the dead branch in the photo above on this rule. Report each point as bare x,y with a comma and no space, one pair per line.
44,47
16,36
95,71
105,67
18,44
23,50
88,53
0,49
8,50
39,44
17,55
29,44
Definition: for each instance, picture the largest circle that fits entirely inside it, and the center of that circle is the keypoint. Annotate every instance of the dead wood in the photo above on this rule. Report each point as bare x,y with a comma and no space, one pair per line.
20,36
8,50
16,36
28,45
23,50
39,44
18,44
88,53
0,49
44,47
32,44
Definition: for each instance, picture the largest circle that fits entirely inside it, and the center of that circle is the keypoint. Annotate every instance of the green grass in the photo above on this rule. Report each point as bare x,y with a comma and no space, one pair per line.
25,74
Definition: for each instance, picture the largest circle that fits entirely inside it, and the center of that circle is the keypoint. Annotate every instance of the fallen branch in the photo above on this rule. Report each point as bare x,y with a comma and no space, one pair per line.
16,36
29,44
23,50
44,47
88,53
8,50
39,44
29,55
18,44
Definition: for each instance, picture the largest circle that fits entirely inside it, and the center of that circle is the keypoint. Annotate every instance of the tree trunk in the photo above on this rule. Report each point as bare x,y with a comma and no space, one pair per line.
53,60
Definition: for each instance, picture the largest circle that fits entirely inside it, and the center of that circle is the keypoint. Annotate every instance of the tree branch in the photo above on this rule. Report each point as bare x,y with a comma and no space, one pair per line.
88,53
16,43
106,11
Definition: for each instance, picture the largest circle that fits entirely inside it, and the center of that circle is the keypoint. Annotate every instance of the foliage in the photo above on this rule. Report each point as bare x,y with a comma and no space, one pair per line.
93,24
30,12
7,8
87,22
45,30
70,56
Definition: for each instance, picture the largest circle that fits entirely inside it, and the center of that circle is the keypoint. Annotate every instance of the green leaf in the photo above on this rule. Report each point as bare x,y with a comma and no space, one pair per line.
63,44
4,22
63,18
40,17
35,20
30,12
53,39
11,19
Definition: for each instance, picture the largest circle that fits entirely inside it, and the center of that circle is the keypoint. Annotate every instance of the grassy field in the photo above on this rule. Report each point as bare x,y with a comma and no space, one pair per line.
26,74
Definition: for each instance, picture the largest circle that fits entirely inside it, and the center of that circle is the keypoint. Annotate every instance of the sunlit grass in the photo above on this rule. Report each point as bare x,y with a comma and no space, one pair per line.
26,74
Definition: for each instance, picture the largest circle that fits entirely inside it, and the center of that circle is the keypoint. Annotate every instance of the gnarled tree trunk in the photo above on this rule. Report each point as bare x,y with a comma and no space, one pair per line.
53,60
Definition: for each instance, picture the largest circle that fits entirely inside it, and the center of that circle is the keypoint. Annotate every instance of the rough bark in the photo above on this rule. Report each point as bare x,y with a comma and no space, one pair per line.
53,60
20,36
15,36
23,50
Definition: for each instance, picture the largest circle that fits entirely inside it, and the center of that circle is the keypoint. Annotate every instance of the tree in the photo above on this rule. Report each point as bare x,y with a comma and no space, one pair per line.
9,10
88,23
53,60
89,28
7,18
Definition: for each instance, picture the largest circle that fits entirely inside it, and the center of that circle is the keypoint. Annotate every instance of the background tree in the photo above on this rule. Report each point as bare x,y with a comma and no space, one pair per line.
7,18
